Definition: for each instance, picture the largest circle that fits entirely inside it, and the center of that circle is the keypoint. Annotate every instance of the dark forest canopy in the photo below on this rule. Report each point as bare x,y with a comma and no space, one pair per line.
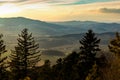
83,64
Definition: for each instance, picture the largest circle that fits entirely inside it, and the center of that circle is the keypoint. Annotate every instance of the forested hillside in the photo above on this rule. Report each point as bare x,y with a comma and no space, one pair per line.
90,62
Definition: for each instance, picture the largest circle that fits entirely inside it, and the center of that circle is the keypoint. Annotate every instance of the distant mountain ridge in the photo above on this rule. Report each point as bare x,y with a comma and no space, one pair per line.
98,27
13,26
56,38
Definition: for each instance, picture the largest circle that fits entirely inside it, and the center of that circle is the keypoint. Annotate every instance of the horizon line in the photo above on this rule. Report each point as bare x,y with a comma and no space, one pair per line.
61,20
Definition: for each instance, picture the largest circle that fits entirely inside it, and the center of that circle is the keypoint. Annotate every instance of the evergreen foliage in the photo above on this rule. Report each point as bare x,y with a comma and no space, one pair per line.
3,59
82,65
115,45
25,56
46,72
88,50
57,69
66,69
70,70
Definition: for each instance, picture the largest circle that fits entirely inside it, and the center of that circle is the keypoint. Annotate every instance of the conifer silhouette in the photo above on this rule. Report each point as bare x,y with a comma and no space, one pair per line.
88,50
3,58
25,56
114,45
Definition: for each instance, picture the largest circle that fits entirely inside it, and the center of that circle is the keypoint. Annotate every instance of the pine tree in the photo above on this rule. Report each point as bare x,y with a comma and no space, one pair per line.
25,56
2,58
70,71
57,69
65,69
88,50
46,72
115,45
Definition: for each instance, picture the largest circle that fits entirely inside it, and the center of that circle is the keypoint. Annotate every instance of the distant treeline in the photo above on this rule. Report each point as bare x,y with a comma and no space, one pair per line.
89,63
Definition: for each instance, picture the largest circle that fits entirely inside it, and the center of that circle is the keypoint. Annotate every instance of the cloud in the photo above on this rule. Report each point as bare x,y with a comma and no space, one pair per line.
22,1
12,1
37,1
93,1
110,10
62,2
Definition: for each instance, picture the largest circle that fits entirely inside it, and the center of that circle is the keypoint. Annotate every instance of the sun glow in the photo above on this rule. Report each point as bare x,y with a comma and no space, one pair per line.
50,11
8,9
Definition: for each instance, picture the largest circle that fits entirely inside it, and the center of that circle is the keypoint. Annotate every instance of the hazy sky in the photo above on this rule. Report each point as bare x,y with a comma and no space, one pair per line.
62,10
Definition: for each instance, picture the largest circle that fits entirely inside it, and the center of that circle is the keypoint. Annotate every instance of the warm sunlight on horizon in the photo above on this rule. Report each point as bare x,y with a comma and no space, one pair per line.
53,10
59,39
9,9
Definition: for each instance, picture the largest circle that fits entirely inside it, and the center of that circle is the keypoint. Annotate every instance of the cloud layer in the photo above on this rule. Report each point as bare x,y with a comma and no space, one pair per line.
110,10
12,1
62,10
63,2
37,1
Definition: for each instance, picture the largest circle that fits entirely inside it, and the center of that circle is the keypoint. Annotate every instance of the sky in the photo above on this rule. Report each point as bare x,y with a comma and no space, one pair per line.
62,10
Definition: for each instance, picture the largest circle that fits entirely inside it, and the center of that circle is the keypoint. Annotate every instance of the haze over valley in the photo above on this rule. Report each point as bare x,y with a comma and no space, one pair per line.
56,38
59,39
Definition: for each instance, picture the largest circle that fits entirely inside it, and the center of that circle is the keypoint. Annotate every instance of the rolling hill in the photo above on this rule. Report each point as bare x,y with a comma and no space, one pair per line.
56,38
13,26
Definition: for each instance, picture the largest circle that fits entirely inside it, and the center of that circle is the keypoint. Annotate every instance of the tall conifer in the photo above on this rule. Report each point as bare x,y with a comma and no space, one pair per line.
3,58
25,56
114,45
88,50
